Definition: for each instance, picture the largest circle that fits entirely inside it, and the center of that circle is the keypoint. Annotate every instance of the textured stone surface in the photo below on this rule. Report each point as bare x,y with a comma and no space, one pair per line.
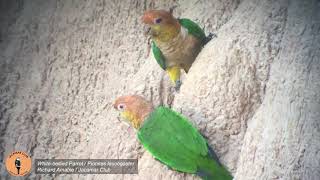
253,91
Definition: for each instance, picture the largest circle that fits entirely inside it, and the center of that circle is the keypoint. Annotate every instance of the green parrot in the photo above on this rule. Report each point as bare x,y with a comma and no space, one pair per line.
171,138
175,42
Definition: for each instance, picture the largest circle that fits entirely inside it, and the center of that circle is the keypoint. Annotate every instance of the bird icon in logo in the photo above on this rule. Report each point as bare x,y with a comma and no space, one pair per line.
17,163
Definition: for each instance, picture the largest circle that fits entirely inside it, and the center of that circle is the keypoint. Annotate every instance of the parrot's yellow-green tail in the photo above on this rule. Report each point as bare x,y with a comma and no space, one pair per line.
209,169
174,74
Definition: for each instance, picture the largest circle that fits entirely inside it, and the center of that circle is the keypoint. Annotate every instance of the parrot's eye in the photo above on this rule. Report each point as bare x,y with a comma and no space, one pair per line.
121,107
158,20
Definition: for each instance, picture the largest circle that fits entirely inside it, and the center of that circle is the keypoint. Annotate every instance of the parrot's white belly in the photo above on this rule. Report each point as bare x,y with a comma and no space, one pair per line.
181,51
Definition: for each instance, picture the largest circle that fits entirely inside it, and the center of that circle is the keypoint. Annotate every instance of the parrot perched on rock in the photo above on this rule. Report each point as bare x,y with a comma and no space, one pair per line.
171,138
175,42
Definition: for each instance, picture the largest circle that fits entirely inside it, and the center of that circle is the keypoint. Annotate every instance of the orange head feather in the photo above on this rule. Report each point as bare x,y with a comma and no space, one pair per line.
152,17
133,108
162,25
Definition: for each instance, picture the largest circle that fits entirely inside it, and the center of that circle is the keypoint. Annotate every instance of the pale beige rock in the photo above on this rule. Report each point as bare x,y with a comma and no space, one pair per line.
253,91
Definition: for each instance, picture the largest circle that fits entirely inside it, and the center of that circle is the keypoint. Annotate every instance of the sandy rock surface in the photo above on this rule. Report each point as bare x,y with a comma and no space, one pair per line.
253,91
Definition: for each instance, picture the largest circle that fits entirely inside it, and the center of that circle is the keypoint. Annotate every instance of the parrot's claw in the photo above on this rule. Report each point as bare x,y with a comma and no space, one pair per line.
172,8
212,35
178,85
209,37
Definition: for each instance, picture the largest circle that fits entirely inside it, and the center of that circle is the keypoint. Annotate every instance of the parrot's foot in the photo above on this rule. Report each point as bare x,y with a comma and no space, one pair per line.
172,8
209,37
178,85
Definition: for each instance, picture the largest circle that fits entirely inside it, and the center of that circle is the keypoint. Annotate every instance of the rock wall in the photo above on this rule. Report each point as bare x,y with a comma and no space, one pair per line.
253,91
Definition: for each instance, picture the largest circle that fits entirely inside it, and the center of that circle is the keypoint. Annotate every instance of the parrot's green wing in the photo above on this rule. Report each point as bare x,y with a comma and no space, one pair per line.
158,56
193,28
174,141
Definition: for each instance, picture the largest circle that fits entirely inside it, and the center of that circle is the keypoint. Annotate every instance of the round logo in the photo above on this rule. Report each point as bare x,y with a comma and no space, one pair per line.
18,163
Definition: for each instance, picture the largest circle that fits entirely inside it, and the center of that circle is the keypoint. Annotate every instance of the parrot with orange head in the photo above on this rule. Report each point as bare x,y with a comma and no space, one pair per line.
171,138
175,42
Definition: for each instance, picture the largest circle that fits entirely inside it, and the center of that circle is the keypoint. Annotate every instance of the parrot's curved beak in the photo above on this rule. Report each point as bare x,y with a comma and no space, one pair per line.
147,30
119,118
147,19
